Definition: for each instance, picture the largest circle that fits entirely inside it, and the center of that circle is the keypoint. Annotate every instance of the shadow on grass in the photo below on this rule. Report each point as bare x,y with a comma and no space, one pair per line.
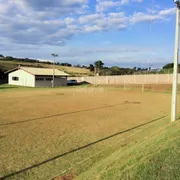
81,84
84,83
8,87
79,148
62,114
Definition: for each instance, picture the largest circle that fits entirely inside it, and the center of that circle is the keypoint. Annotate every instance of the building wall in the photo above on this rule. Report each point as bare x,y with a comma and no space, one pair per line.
46,81
24,78
128,79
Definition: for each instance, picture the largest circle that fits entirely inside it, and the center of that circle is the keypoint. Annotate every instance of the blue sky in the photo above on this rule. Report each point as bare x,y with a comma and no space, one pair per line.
126,33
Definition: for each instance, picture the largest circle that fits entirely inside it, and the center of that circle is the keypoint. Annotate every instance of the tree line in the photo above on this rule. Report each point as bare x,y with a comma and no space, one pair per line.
98,68
170,66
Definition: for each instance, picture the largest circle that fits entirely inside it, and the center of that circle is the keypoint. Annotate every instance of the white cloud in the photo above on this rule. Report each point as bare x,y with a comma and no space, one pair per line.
167,12
92,28
142,17
117,20
151,11
69,20
116,15
155,15
43,22
90,18
3,8
104,5
139,1
124,1
29,22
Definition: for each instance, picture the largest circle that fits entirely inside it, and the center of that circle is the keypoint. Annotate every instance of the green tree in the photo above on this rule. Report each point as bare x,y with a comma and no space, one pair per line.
66,64
98,66
9,58
115,70
91,67
169,66
1,56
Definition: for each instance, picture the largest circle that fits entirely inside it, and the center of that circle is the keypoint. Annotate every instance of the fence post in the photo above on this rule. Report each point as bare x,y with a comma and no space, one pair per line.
145,78
142,87
94,80
168,78
107,79
157,78
134,77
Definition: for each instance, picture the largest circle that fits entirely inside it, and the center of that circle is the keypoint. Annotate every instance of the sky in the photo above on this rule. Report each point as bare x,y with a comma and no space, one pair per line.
125,33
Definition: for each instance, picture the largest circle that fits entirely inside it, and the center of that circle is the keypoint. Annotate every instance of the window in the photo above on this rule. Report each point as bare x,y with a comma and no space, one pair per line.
14,78
48,79
39,79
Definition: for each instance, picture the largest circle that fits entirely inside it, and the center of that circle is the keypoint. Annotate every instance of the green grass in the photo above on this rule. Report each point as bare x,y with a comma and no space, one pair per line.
156,157
7,87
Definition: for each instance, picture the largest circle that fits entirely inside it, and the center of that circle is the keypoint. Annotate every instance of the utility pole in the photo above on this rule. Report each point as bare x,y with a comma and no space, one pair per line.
54,55
175,71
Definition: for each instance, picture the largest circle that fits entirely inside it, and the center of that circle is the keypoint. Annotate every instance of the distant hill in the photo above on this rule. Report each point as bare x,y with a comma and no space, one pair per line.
7,64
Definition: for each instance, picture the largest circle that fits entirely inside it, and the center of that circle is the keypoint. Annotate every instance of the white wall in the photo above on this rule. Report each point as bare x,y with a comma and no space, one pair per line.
25,79
128,79
58,81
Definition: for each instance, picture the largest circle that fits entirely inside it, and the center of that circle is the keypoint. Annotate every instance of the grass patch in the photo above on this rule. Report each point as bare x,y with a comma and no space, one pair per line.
7,87
157,157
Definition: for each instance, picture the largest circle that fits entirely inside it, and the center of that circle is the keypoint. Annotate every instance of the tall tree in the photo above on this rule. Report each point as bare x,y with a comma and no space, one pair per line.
98,66
91,67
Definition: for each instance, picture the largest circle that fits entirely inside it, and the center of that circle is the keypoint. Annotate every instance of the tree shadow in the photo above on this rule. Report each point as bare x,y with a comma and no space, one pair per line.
78,148
62,114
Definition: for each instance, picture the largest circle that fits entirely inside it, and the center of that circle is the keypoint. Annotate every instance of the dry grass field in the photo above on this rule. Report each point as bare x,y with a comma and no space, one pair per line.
71,70
46,133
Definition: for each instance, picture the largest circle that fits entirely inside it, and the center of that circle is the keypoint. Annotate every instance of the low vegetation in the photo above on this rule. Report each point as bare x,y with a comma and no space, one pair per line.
155,157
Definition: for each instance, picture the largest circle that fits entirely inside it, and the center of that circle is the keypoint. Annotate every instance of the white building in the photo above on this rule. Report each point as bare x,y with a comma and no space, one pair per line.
36,77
